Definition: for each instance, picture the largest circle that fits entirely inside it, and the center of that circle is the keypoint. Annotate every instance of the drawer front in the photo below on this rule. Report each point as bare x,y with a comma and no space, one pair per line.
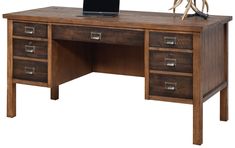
170,40
98,35
30,70
30,29
170,61
170,86
29,48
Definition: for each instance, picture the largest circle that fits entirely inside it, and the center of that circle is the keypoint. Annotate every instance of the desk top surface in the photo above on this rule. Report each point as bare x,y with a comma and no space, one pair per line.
126,19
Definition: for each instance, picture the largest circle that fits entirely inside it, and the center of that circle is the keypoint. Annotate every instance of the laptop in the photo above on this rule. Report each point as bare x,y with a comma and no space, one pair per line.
101,7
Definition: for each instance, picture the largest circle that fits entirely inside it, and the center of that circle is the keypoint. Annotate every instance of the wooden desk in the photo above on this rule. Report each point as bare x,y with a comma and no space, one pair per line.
182,61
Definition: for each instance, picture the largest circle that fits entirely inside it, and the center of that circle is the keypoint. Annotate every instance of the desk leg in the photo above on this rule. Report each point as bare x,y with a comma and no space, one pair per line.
55,93
224,92
11,100
11,87
197,123
224,104
197,91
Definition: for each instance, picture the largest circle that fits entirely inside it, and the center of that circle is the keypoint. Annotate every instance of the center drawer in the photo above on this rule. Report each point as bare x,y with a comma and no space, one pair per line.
29,48
99,35
30,70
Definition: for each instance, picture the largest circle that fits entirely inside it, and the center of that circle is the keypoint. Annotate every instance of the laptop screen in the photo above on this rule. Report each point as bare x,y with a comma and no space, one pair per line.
109,7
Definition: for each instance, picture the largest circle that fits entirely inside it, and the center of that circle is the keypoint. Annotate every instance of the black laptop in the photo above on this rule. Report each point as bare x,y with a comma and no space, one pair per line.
101,7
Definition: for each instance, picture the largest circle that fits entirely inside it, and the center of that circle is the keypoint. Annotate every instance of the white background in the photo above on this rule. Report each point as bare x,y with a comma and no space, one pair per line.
108,111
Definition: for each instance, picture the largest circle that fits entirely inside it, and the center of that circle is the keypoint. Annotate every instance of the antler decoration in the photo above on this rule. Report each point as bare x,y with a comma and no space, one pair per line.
192,4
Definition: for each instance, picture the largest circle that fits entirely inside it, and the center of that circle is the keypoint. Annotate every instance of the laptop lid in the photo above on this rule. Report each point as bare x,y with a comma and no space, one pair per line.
101,7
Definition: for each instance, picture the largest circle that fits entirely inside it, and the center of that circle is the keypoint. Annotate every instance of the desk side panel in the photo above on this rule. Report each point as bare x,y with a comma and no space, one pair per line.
213,59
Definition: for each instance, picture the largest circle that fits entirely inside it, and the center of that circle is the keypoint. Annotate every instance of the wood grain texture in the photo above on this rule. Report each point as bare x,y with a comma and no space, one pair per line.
159,39
182,61
70,60
98,35
30,59
159,85
213,58
55,93
171,50
171,99
197,90
54,88
30,38
126,19
30,70
146,63
200,45
224,92
49,55
171,73
11,86
118,59
34,83
30,48
214,91
224,104
37,30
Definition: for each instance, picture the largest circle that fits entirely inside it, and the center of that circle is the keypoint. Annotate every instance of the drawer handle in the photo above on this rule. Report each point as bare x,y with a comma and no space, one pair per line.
170,62
95,36
29,30
29,70
170,41
29,48
170,86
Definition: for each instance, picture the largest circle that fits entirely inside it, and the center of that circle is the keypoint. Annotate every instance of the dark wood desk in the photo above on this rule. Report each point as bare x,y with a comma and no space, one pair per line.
182,61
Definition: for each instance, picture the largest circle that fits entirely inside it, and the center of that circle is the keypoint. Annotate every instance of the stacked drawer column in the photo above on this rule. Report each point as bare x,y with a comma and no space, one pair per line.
170,68
173,72
30,47
27,58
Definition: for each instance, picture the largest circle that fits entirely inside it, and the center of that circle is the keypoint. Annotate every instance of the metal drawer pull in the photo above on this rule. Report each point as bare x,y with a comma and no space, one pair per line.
29,30
29,70
95,36
170,62
170,86
170,41
29,48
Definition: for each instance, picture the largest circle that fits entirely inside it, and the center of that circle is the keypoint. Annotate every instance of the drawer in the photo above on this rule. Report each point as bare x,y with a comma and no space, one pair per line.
170,40
30,70
170,86
29,48
30,29
170,61
98,35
